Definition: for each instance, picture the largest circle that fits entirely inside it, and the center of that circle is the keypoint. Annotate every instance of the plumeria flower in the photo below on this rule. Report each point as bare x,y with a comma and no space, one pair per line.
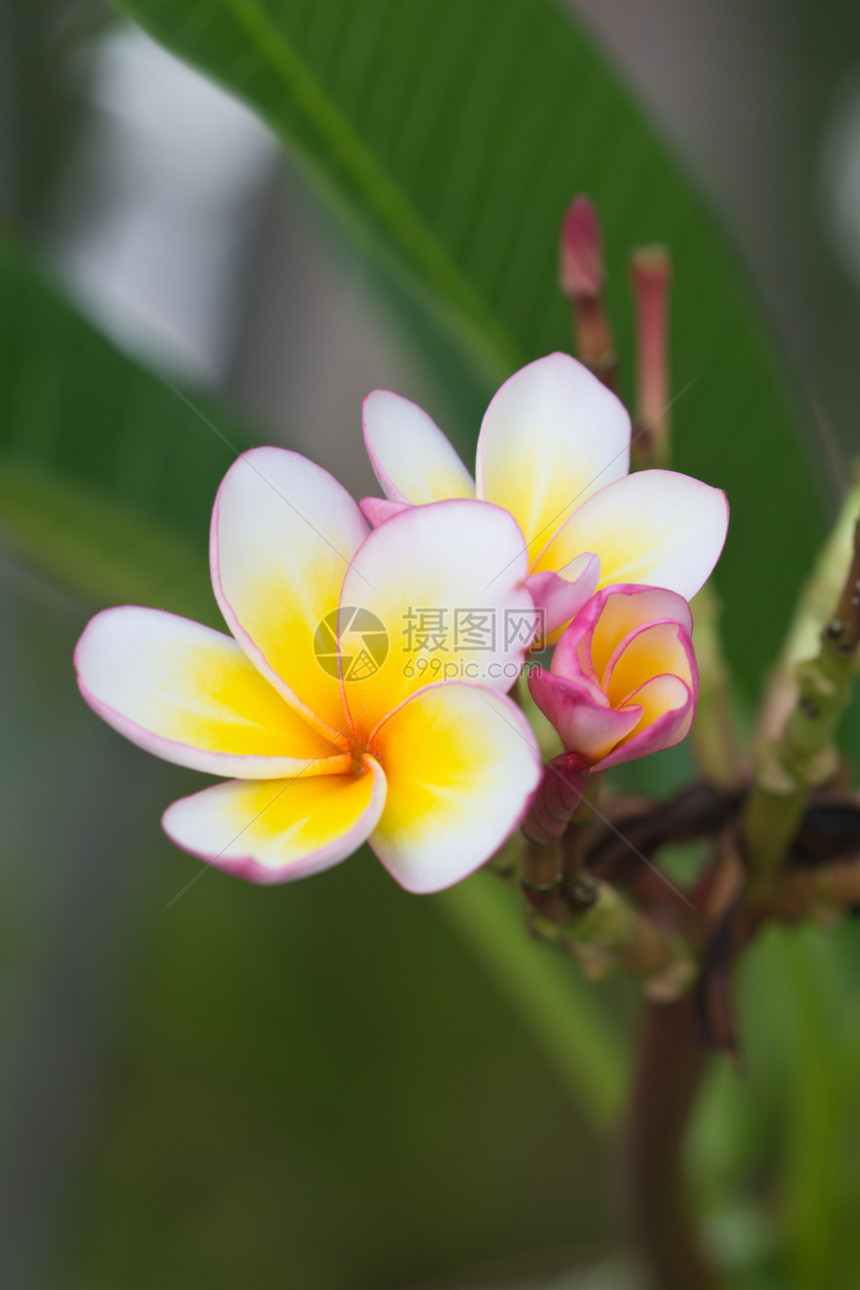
315,704
623,679
554,450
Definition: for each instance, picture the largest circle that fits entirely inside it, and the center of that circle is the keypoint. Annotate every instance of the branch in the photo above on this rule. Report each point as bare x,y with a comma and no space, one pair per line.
669,1074
803,755
611,933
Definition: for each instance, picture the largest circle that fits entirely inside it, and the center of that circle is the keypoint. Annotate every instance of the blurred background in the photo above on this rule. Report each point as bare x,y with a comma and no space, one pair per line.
323,1086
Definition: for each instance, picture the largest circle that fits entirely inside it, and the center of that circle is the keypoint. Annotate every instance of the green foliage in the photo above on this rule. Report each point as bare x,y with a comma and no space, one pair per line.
556,1004
107,475
786,1124
318,1089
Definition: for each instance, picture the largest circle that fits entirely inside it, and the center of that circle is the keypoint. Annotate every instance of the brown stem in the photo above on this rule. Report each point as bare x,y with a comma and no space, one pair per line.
671,1065
594,342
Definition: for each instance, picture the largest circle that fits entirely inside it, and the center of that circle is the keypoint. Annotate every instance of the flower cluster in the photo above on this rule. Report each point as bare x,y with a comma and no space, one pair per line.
320,707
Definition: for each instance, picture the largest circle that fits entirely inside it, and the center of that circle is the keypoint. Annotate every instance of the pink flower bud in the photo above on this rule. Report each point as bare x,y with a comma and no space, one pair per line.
581,271
623,679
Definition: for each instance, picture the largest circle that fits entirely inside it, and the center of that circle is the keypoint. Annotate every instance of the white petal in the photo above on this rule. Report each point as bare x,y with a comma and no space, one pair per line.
444,582
190,695
277,830
410,455
551,437
283,534
461,763
655,528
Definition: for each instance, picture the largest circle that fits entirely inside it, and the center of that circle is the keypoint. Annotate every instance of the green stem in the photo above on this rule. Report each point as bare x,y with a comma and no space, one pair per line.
803,755
612,933
713,735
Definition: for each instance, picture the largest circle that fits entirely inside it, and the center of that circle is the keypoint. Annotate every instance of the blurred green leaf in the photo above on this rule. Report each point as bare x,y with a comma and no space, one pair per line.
816,970
315,1087
107,475
450,137
95,547
784,1129
554,1001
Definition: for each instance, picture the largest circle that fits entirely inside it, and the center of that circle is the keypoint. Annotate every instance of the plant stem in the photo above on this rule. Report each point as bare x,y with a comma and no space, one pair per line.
611,933
713,735
670,1069
803,755
575,835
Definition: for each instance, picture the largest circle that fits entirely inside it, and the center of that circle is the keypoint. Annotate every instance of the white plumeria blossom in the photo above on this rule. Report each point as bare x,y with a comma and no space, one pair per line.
435,777
554,451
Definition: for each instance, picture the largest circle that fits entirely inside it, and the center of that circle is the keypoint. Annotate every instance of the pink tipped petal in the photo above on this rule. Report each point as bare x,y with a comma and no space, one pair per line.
278,830
283,534
656,528
668,708
376,510
552,436
411,457
572,655
581,714
461,763
445,583
190,695
559,597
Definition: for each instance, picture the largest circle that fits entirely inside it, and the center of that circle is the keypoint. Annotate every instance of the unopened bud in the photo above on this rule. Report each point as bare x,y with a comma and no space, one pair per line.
581,271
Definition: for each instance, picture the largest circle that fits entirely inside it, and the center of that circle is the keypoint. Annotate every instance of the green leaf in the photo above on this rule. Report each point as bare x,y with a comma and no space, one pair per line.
556,1004
450,137
107,474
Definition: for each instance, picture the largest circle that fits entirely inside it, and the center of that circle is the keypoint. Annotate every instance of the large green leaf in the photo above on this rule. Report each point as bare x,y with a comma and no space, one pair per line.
107,474
450,136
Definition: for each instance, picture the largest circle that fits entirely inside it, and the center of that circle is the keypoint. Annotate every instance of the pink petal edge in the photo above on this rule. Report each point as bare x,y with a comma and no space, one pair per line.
376,510
251,870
